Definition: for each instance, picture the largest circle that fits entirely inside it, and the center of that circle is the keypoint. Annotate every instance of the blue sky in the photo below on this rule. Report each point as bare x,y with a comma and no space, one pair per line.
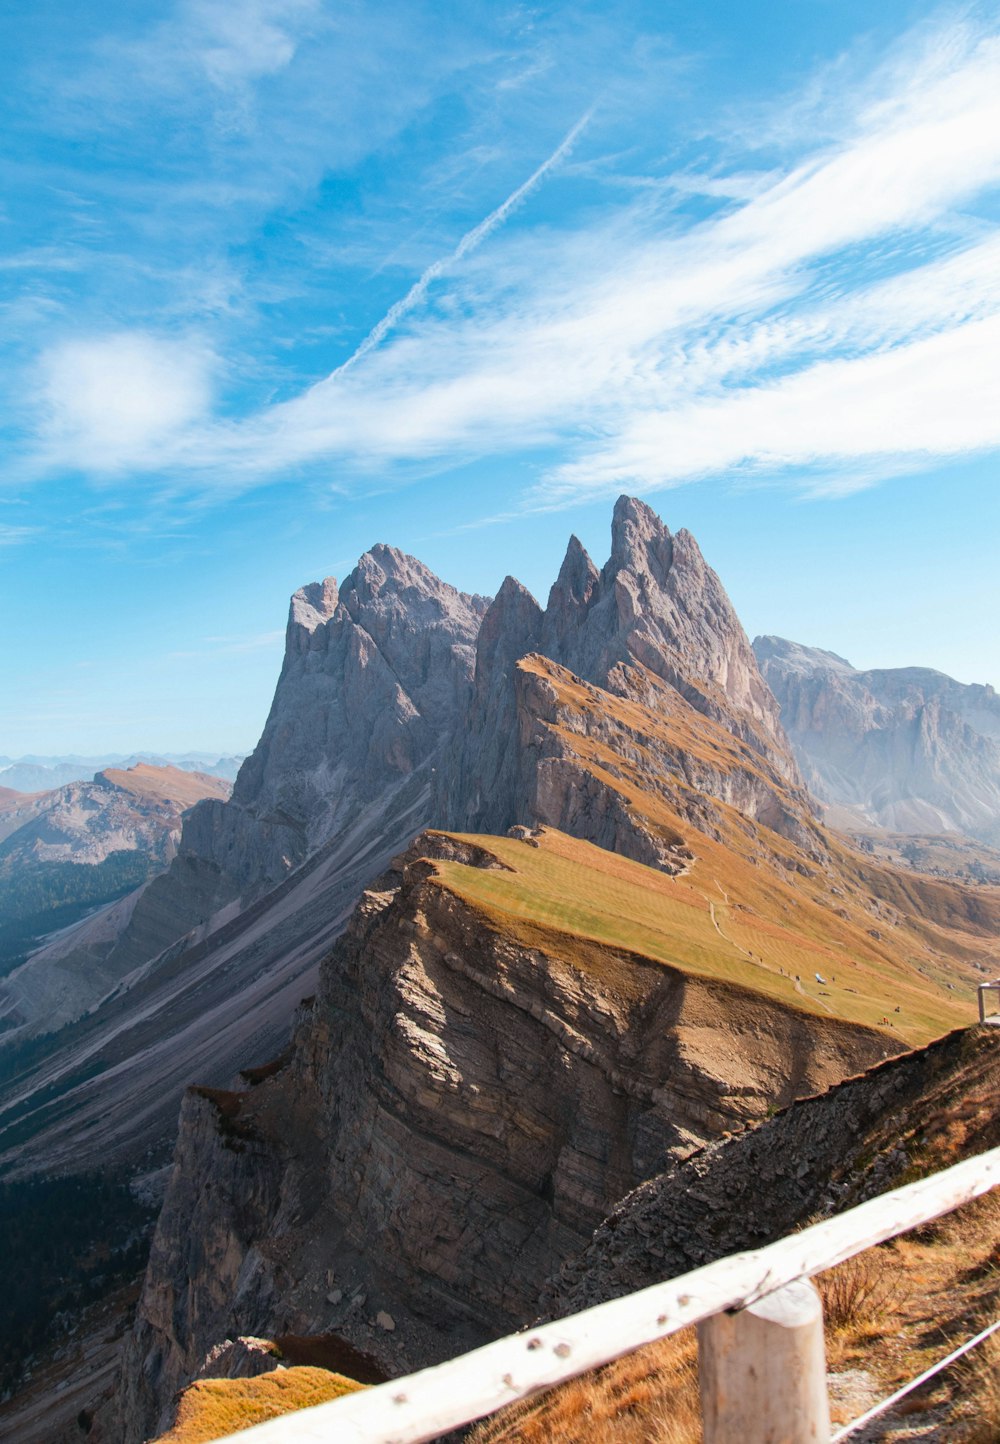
283,278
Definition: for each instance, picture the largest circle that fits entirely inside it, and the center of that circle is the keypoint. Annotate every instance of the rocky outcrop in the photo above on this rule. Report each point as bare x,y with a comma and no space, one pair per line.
376,674
596,761
460,1111
820,1156
907,749
654,626
657,603
201,971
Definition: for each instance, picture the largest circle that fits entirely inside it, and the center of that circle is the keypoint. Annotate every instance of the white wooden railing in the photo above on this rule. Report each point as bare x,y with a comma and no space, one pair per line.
425,1405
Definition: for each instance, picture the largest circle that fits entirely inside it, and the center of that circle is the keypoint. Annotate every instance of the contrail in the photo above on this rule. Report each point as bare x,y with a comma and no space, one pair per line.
468,243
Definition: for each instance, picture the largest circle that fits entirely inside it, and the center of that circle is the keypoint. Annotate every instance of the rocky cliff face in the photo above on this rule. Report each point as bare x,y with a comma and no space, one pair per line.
910,749
483,1072
376,674
460,1111
654,626
215,952
403,703
656,603
908,1116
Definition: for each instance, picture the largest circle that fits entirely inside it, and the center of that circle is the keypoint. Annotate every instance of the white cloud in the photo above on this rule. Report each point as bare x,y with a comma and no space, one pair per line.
837,312
229,43
937,397
109,401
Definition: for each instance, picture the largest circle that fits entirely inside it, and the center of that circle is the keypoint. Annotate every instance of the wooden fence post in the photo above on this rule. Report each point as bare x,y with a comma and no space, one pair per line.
762,1371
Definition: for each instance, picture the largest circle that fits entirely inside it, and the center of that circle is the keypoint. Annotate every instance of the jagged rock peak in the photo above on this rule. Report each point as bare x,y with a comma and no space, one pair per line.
314,604
513,592
640,541
578,577
511,627
387,569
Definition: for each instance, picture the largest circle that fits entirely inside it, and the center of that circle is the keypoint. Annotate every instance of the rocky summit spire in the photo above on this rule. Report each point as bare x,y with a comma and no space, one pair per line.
311,606
376,672
640,542
657,603
573,593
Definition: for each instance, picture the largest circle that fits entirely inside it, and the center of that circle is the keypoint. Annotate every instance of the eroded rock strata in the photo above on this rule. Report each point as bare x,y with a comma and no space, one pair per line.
822,1155
459,1113
404,703
482,1074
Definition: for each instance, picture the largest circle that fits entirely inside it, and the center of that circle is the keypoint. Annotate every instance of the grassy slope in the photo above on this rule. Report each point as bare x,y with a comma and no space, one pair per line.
753,908
565,896
166,784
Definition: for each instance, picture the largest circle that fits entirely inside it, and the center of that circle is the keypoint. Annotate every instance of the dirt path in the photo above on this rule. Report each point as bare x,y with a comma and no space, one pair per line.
745,952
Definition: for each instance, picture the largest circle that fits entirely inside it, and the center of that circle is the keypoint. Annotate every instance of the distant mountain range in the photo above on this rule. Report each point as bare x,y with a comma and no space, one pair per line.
71,849
906,749
33,773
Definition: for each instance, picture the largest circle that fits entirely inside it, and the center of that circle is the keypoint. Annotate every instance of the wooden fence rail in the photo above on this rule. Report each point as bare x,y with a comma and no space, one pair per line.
425,1405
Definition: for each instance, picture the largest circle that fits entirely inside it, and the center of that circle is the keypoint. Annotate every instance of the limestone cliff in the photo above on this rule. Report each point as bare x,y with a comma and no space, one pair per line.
462,1107
901,1119
907,749
514,1031
655,627
202,970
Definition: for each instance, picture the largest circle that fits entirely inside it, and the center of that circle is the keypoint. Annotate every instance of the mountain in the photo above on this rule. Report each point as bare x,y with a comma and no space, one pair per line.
512,1034
515,1031
72,849
906,749
396,699
504,1034
653,627
42,774
202,970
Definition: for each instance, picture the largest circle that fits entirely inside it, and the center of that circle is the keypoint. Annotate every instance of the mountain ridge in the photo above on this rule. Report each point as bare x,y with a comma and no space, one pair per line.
908,748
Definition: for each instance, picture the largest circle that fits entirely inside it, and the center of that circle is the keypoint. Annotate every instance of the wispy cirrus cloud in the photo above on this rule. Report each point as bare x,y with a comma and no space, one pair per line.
838,310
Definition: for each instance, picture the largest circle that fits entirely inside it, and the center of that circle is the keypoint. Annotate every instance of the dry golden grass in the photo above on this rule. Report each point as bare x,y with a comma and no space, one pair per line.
891,939
941,1286
862,1291
212,1408
726,921
649,1397
890,1313
979,1380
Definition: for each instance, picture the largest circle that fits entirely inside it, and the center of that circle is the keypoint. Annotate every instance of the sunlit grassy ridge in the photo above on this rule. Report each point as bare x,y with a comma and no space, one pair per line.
754,908
212,1408
566,896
